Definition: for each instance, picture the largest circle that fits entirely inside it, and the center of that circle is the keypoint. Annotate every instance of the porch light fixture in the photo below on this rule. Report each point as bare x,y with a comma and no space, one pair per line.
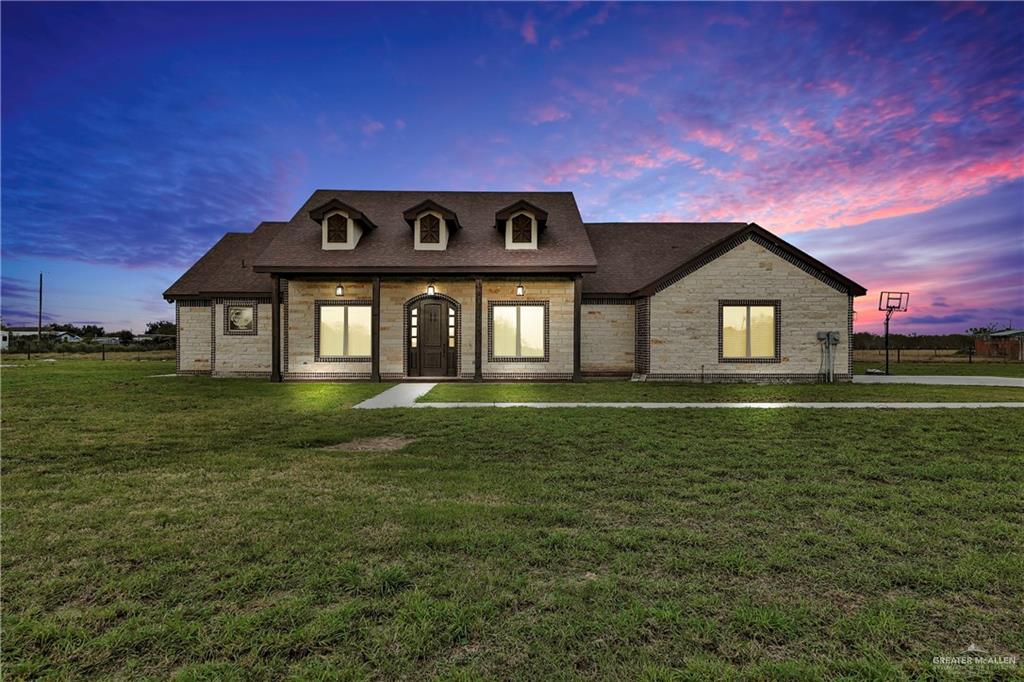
430,290
520,289
339,290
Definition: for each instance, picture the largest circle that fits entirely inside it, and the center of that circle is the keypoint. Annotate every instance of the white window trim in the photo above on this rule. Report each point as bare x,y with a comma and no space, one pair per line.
532,244
442,243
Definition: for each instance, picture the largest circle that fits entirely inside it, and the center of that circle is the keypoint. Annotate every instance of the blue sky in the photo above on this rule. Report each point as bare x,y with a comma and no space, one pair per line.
886,139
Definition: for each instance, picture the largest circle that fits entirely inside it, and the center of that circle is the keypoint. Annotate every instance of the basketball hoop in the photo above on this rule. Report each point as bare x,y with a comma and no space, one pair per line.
892,302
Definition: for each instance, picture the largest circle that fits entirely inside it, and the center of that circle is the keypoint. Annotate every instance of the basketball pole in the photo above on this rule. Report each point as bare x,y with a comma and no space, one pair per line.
888,314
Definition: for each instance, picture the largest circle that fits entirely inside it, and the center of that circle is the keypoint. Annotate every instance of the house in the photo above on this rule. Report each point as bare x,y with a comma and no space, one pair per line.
107,340
393,285
1008,343
5,339
55,335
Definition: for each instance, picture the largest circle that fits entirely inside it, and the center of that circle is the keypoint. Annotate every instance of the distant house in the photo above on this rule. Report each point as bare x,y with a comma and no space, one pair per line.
1008,343
107,340
5,338
154,338
58,336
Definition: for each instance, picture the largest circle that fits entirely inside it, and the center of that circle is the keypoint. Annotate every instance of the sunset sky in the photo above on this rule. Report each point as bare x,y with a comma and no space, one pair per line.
887,140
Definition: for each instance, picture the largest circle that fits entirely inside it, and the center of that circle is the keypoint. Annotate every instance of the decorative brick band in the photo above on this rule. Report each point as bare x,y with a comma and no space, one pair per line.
849,338
775,303
284,284
213,336
752,377
491,357
527,376
642,342
317,357
608,301
328,376
243,374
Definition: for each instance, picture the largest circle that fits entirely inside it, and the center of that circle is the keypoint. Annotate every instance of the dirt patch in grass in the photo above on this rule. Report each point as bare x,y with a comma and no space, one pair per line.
378,444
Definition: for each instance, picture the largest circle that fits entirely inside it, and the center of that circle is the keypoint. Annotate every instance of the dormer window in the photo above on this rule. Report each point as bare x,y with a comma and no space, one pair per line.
521,225
337,228
522,229
341,226
430,229
432,225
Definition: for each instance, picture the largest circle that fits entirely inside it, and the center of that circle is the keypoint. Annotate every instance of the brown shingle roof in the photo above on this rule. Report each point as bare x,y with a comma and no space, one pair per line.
227,267
476,248
631,256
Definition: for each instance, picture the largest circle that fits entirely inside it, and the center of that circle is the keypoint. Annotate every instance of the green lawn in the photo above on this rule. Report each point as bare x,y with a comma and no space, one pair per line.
659,392
197,528
991,369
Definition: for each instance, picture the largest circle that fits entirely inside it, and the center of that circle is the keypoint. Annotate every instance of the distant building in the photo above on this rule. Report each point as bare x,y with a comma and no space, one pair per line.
58,336
1008,343
107,340
4,339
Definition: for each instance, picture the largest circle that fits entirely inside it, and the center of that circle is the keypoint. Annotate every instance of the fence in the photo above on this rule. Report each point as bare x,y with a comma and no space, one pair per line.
919,355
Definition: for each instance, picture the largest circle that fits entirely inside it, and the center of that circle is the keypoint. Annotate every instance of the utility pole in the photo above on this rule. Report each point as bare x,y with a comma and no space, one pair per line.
39,321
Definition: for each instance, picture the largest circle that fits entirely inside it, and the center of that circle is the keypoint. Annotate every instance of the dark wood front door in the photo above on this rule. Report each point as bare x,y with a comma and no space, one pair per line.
431,342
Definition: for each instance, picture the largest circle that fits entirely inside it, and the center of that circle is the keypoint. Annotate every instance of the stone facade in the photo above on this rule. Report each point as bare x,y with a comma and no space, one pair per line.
242,354
194,337
560,297
608,335
684,323
299,321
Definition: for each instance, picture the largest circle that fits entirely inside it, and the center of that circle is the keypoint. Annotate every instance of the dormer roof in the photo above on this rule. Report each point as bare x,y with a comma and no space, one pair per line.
335,204
448,215
504,214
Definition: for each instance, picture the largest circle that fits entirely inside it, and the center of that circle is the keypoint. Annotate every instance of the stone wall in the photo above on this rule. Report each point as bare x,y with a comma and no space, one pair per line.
193,337
560,295
394,293
608,334
300,327
242,354
684,318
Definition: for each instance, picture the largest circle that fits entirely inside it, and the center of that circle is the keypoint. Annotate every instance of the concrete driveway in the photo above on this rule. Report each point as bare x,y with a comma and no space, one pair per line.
938,380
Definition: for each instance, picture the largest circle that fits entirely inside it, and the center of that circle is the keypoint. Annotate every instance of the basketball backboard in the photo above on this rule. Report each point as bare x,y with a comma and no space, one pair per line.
895,301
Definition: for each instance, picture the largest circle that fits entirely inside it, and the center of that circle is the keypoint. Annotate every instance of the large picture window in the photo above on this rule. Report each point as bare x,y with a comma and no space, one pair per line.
749,331
343,332
518,331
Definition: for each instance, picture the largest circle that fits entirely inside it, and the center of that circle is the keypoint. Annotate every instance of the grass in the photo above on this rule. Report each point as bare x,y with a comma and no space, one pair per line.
990,369
627,391
195,528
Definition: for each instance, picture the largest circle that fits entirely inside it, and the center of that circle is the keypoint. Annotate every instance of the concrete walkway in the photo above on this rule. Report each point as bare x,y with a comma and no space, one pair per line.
405,395
400,395
672,406
938,380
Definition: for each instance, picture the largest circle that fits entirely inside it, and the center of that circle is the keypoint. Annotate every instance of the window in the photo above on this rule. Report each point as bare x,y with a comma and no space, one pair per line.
519,332
749,331
522,229
337,229
430,229
240,319
343,332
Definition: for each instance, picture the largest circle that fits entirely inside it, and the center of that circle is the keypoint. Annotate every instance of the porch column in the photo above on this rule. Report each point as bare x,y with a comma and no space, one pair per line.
375,334
478,370
577,318
275,328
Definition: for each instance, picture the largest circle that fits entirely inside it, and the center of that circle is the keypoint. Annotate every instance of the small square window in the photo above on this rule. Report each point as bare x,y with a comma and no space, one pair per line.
240,319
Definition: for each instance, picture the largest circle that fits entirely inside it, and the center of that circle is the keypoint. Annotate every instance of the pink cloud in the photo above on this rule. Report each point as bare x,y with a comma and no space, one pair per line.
574,167
399,124
548,114
945,117
371,128
528,30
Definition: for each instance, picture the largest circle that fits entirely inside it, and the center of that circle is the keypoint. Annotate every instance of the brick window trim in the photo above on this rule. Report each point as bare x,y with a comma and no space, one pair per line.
491,357
317,305
228,305
777,305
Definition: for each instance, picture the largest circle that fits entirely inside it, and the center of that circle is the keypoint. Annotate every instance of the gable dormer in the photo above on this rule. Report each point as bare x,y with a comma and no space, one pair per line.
341,226
432,225
521,223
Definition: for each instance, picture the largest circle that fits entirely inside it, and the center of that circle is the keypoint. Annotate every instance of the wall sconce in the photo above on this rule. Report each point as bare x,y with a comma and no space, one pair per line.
520,289
430,290
339,290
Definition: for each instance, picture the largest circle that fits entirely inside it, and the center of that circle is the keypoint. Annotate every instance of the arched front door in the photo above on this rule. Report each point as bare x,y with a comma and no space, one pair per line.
431,344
